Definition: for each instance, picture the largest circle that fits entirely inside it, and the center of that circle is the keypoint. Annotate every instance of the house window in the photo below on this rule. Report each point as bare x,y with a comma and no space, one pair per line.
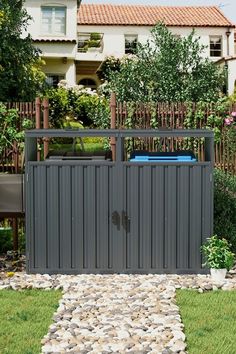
131,42
90,83
53,20
216,46
53,79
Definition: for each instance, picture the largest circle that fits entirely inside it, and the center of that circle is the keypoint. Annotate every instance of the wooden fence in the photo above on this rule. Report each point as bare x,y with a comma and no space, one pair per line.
167,115
178,116
12,159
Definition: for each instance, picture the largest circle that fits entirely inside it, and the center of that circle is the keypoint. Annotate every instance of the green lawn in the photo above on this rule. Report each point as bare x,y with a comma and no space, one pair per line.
209,320
25,317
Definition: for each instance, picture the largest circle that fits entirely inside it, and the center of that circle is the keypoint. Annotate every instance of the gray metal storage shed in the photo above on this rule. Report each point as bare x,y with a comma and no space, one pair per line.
117,216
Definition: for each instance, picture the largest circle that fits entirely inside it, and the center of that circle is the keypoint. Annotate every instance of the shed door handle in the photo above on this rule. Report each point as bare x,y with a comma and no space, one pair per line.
115,217
125,221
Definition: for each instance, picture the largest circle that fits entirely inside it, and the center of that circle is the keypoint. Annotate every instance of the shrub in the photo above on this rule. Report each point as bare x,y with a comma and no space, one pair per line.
5,239
109,65
225,206
78,103
167,68
9,127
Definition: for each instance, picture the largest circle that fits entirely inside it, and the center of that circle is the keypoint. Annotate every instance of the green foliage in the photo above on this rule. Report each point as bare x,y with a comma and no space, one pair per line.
9,128
218,254
80,104
225,206
59,106
196,116
167,68
5,239
109,65
94,36
94,43
20,74
229,133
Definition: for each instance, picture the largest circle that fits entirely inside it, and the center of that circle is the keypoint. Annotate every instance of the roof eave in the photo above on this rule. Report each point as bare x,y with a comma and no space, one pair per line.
151,25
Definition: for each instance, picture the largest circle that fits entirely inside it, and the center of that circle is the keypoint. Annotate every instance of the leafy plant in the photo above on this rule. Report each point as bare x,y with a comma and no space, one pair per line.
5,239
94,43
80,104
229,133
167,68
218,254
109,65
21,76
95,36
197,116
9,128
225,206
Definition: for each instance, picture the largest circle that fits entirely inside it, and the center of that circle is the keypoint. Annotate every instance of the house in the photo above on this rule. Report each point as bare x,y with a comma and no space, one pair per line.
75,39
122,26
54,31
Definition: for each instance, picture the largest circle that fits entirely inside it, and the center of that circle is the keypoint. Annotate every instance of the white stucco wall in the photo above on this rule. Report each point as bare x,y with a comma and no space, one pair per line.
53,53
232,76
114,43
33,8
58,67
57,50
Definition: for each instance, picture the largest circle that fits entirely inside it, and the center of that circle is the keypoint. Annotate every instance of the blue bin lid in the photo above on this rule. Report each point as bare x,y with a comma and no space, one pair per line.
179,156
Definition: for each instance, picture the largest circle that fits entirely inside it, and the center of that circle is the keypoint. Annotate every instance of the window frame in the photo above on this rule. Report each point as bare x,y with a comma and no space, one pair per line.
135,39
213,50
93,86
63,76
53,34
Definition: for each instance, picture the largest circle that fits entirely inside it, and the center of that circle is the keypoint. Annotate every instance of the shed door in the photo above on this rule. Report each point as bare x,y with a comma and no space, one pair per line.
72,222
167,215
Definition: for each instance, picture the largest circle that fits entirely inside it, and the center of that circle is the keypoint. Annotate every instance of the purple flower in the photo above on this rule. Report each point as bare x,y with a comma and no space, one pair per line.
233,114
229,120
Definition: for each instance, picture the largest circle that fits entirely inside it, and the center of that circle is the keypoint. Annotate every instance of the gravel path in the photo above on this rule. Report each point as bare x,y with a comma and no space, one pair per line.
115,313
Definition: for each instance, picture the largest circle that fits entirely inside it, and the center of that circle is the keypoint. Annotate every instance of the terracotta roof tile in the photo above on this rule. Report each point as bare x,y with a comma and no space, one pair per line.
58,40
139,15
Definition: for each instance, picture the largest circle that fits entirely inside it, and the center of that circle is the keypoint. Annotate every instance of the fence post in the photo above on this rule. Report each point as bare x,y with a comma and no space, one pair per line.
15,157
113,124
45,125
38,120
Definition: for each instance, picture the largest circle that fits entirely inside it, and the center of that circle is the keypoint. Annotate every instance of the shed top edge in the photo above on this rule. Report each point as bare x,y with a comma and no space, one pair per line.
39,133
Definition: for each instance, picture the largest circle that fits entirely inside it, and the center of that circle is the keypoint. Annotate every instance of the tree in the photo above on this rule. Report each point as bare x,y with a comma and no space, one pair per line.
167,68
20,73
